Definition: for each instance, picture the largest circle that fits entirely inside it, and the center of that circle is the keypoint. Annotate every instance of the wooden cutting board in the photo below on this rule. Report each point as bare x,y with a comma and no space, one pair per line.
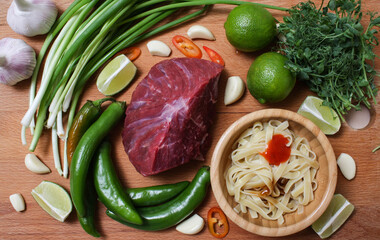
34,223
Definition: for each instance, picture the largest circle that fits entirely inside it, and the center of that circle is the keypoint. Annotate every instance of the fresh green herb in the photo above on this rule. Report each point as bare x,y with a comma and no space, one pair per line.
329,49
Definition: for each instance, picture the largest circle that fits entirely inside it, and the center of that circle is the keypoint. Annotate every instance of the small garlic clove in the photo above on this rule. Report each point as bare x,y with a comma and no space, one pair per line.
192,225
35,165
200,32
234,90
158,48
17,202
280,36
347,166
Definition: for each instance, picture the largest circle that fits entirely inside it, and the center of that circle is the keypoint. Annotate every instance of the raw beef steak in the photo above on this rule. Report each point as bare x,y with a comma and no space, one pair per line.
170,113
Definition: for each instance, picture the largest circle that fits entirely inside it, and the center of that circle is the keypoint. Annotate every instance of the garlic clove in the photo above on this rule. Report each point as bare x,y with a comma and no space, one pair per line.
192,225
201,32
17,202
280,36
347,166
158,48
31,17
17,61
234,90
35,165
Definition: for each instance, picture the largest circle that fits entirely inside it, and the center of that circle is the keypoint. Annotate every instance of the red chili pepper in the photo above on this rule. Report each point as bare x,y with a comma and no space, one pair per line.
217,222
214,56
187,47
132,53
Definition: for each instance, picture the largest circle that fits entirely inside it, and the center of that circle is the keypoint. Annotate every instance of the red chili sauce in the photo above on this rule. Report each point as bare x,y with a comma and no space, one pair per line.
277,152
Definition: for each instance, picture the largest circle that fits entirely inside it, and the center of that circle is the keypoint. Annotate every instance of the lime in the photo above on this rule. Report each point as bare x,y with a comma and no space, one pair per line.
116,75
335,215
53,199
250,27
322,116
268,80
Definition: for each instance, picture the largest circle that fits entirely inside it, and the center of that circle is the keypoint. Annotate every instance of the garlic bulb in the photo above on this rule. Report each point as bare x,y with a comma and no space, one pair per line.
17,61
31,17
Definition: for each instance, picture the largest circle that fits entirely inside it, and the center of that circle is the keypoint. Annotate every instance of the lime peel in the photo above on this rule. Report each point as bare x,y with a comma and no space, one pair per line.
116,75
335,215
322,116
53,199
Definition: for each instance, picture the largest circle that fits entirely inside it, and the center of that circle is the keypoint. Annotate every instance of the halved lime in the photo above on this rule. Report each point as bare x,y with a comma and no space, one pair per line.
53,199
116,75
322,116
335,215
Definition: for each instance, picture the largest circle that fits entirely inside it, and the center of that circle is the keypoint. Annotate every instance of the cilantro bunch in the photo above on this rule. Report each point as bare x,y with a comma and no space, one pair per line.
332,52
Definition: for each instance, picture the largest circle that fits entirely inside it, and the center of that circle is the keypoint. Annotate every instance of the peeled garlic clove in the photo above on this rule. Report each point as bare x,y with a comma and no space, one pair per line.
347,166
31,17
280,36
35,165
198,31
17,202
192,225
234,90
17,61
158,48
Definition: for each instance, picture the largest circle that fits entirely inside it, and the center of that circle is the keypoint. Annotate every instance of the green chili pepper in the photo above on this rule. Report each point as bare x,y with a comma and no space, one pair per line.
86,116
154,195
174,211
85,150
87,222
109,189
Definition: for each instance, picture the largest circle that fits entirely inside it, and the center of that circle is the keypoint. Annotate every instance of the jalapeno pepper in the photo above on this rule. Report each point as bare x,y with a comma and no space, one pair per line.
86,116
154,195
86,149
174,211
215,216
187,47
109,189
88,222
214,56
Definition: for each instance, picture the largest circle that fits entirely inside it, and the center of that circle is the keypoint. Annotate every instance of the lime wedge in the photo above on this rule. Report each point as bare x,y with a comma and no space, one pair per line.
116,75
322,116
53,199
335,215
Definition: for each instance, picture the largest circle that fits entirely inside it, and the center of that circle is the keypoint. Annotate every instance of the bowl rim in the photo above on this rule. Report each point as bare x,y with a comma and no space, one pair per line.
327,195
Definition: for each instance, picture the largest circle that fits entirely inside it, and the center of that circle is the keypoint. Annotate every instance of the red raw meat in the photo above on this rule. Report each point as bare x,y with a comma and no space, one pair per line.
171,111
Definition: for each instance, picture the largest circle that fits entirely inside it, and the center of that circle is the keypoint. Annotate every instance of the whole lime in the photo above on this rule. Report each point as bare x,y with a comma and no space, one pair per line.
268,80
250,27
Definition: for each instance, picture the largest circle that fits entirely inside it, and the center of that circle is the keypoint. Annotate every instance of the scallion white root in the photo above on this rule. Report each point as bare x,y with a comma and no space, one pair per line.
57,160
60,131
23,135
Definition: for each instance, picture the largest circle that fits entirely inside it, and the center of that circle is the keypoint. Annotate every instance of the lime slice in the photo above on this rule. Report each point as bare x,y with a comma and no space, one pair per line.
53,199
116,75
322,116
335,215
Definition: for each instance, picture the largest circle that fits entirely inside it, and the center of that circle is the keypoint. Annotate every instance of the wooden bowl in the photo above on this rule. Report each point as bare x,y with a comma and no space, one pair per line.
326,175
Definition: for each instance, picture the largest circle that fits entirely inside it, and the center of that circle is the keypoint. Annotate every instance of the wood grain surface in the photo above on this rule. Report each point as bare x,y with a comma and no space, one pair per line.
363,191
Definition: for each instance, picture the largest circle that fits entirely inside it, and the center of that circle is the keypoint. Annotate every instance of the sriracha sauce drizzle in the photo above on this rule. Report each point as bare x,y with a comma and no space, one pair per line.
277,152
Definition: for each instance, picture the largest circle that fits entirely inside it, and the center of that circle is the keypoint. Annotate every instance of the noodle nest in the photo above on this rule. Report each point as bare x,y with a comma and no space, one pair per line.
269,190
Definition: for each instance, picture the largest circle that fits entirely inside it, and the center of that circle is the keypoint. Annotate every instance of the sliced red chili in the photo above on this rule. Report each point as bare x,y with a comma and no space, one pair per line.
132,53
187,47
217,222
214,56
